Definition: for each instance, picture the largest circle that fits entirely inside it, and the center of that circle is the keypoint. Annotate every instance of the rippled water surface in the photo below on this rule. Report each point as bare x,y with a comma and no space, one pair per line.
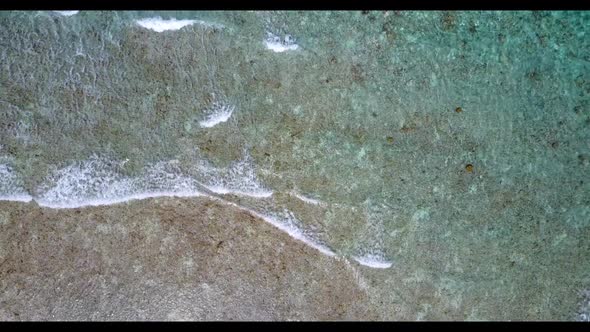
448,144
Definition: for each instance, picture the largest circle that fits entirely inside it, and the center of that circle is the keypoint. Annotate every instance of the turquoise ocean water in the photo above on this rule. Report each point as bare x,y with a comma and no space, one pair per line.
452,145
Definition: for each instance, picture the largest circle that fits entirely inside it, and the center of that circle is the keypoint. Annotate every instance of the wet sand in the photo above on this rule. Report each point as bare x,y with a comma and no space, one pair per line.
165,259
200,259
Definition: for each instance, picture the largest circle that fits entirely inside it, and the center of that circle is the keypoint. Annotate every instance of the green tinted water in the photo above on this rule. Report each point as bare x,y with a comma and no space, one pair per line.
452,145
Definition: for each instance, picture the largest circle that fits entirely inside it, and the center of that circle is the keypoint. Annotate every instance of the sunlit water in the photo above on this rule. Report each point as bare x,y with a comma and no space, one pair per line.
377,136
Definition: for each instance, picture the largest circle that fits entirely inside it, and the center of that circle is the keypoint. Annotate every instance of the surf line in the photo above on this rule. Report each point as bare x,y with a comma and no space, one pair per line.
293,232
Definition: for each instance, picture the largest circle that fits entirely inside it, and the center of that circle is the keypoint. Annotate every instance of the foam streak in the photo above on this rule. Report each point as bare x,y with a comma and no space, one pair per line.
67,12
373,261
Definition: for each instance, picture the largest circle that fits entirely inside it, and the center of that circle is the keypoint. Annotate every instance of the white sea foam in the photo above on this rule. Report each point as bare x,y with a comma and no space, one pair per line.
276,44
159,24
374,261
239,179
78,184
307,199
25,198
279,47
225,191
11,186
68,187
116,200
96,182
370,244
583,314
285,223
67,12
218,114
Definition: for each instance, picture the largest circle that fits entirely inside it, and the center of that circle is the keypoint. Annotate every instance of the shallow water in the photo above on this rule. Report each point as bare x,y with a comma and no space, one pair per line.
454,145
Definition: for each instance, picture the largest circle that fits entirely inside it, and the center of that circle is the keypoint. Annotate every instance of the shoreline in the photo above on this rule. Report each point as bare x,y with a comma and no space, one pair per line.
199,250
188,244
